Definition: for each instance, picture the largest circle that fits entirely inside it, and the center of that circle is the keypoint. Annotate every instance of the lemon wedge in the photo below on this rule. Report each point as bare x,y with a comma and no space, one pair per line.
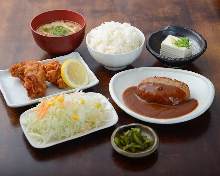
74,73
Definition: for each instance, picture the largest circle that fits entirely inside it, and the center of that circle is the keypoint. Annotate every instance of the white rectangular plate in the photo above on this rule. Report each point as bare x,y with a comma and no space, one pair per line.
16,95
200,87
111,115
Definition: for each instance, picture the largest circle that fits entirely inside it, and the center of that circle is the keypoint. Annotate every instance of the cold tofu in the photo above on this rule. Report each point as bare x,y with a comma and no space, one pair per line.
176,47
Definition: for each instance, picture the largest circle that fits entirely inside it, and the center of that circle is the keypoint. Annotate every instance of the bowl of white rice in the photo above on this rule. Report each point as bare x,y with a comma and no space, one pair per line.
115,45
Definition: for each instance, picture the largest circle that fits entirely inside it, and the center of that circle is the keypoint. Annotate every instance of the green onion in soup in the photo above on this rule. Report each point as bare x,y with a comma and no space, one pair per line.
59,28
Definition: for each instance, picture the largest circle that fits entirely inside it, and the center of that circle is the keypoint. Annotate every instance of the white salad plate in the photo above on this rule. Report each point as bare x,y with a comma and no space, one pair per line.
110,114
200,87
16,95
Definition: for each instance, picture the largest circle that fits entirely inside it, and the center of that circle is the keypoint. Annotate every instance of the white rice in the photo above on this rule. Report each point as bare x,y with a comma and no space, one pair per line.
114,38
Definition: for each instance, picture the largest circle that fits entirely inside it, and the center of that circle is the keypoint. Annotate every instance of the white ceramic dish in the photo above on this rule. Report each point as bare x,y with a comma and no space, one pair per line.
116,61
16,95
200,87
112,115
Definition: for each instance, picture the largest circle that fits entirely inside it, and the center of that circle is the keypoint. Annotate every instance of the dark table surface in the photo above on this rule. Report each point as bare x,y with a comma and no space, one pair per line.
191,148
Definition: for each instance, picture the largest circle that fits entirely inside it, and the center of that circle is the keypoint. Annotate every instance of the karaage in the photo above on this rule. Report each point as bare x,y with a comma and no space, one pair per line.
53,73
32,75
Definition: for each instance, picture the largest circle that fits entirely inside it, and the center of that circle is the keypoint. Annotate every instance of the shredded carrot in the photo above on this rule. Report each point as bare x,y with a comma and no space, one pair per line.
44,106
42,110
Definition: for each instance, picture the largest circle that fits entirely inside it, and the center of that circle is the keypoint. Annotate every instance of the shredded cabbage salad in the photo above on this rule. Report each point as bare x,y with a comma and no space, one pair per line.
63,116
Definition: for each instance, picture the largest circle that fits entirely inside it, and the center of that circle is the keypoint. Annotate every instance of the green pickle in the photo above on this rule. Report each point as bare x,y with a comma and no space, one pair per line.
133,141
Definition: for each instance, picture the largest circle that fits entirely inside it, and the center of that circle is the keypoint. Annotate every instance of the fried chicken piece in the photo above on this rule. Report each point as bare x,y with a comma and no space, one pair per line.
32,75
53,74
17,70
34,86
35,80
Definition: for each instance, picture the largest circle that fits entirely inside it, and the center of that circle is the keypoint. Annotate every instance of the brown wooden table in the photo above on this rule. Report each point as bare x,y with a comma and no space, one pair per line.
191,148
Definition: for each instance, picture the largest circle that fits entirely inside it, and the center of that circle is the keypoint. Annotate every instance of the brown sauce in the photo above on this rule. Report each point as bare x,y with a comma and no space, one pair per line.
159,111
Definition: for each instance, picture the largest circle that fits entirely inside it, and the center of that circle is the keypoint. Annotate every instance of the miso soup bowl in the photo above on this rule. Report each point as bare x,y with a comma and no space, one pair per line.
58,45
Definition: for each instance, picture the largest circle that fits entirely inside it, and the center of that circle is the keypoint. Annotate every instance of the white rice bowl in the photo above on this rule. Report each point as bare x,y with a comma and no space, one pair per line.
114,38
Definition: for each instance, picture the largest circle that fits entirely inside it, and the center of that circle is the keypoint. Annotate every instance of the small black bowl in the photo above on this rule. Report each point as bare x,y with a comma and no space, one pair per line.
155,39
